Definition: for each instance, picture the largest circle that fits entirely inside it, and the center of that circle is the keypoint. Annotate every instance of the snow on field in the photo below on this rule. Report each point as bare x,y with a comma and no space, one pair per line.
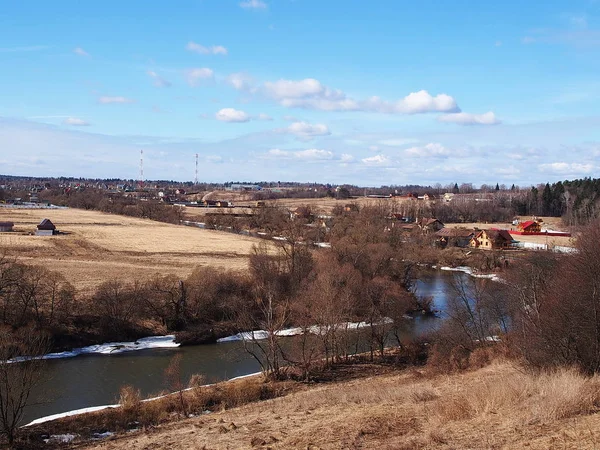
113,348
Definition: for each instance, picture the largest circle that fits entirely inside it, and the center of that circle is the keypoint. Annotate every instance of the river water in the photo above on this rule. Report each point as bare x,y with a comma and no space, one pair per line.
94,380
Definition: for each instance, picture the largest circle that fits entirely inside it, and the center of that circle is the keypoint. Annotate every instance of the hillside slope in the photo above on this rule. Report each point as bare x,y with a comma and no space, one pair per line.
500,406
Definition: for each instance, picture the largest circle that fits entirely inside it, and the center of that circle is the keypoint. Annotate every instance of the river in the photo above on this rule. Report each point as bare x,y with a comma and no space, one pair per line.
94,380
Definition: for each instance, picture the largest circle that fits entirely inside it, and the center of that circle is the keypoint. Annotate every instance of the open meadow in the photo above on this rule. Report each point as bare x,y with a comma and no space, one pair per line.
97,247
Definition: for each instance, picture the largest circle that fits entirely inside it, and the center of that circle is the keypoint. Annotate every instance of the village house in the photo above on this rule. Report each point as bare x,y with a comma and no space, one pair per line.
454,237
430,225
530,226
6,226
491,240
46,228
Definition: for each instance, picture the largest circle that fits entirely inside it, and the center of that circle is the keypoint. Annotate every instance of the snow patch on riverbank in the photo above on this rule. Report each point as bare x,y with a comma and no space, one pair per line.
469,271
315,329
75,412
112,348
92,409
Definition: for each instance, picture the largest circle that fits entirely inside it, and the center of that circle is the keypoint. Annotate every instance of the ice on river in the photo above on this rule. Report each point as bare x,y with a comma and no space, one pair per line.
112,348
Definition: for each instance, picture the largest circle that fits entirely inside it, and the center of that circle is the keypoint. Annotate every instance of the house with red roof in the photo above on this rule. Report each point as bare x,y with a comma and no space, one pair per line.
529,226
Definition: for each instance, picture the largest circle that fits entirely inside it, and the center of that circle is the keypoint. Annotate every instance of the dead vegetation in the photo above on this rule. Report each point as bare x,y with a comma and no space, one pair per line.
501,405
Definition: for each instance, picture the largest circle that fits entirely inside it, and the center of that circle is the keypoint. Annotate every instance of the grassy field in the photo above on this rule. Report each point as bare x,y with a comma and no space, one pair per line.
98,246
502,406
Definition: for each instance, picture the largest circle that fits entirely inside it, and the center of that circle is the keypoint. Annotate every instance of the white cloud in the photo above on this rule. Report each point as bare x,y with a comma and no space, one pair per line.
314,154
397,142
105,100
414,103
578,21
232,115
308,93
462,118
81,52
346,158
158,80
311,154
76,122
277,153
240,81
201,49
197,75
263,116
377,160
567,168
305,130
433,149
253,4
510,171
312,94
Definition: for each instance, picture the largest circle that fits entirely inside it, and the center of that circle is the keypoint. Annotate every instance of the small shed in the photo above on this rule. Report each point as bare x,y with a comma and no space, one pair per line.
46,228
6,226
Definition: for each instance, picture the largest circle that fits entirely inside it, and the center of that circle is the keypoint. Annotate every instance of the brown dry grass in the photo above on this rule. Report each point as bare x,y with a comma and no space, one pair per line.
103,246
500,406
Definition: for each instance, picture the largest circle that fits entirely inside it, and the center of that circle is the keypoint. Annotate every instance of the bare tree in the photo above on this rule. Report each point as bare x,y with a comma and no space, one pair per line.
270,311
18,377
174,381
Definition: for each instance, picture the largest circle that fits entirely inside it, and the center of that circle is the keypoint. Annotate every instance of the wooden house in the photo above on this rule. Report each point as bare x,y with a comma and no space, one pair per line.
46,228
530,226
491,240
430,225
6,226
454,237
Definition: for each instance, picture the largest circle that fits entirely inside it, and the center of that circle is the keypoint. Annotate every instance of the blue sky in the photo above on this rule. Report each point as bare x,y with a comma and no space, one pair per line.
369,93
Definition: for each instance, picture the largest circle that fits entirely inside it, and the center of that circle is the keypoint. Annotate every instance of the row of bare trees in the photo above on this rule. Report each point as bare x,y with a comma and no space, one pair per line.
366,276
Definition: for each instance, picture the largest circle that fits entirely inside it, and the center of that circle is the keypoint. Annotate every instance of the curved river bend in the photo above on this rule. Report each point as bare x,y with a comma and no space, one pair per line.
93,380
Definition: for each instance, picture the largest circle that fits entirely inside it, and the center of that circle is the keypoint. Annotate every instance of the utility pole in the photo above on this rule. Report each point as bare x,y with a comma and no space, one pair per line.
196,178
141,168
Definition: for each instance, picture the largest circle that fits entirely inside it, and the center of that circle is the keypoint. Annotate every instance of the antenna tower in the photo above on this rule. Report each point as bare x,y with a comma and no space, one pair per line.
196,178
141,167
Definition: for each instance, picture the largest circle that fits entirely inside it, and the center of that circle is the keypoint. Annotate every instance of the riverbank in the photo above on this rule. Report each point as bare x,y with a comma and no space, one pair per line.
132,414
498,406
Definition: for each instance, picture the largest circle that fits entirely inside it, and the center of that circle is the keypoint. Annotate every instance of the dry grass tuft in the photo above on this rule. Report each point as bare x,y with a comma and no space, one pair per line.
424,395
453,408
562,394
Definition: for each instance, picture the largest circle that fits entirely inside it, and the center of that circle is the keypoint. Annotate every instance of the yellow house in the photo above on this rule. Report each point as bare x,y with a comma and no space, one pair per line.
491,239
